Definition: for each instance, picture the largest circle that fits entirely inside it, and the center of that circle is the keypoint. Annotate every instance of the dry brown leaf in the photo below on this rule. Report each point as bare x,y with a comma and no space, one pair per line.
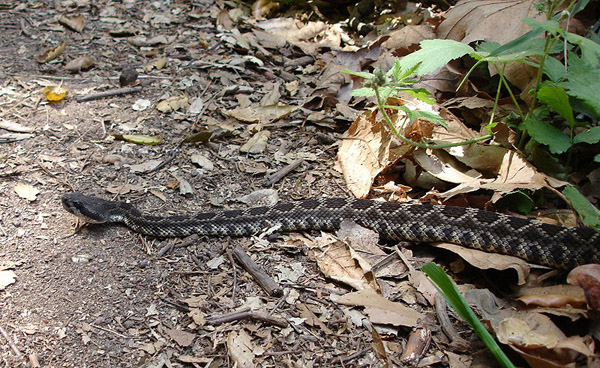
485,261
256,144
75,23
79,64
171,104
588,278
407,36
336,262
240,348
182,338
26,191
157,64
379,309
261,114
364,153
474,20
51,54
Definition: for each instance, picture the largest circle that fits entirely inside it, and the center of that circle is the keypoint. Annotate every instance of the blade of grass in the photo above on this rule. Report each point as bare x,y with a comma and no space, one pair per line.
449,291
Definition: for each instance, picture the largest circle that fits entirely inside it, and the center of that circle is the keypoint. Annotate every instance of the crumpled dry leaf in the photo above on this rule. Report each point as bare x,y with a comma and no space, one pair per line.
51,54
171,104
75,23
588,278
256,144
55,93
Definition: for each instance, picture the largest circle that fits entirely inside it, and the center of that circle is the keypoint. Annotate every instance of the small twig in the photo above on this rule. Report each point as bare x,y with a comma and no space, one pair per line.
245,314
456,341
186,243
234,287
261,277
110,331
109,93
11,343
164,163
274,178
358,354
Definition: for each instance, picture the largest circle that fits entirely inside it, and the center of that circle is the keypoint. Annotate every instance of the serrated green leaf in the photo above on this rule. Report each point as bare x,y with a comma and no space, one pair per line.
544,133
582,82
434,54
589,214
556,97
590,50
590,136
420,94
363,92
426,115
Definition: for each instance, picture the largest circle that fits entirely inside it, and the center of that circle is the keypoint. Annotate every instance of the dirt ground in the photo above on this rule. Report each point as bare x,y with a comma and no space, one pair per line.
101,297
107,297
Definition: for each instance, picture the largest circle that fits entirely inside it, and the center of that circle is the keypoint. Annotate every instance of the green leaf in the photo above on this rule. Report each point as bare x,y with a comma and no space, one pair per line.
516,201
582,83
557,99
597,158
426,115
554,69
363,92
528,44
589,214
544,133
448,290
358,74
590,136
434,54
550,26
420,94
590,50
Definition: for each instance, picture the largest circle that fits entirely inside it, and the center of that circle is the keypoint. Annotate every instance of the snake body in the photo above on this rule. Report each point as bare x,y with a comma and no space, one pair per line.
545,244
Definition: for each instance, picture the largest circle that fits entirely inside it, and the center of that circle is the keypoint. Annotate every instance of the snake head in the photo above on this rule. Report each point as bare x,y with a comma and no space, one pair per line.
95,210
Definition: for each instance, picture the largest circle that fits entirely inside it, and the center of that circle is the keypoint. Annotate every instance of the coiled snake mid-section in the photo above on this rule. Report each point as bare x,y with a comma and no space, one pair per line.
550,245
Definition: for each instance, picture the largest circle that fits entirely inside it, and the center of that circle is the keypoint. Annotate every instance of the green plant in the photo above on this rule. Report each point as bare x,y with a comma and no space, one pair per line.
564,104
448,290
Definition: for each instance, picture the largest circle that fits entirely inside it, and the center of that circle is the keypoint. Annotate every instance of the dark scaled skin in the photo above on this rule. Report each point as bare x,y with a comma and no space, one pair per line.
550,245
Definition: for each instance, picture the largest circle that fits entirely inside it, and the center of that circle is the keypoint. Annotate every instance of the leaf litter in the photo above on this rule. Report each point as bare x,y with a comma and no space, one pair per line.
347,299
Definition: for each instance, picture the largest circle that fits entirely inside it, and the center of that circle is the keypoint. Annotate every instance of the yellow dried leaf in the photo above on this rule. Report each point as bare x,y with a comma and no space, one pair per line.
172,104
55,93
139,139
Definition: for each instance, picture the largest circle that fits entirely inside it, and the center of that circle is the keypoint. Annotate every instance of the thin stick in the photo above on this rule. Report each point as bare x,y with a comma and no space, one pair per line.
261,277
11,343
274,178
109,93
